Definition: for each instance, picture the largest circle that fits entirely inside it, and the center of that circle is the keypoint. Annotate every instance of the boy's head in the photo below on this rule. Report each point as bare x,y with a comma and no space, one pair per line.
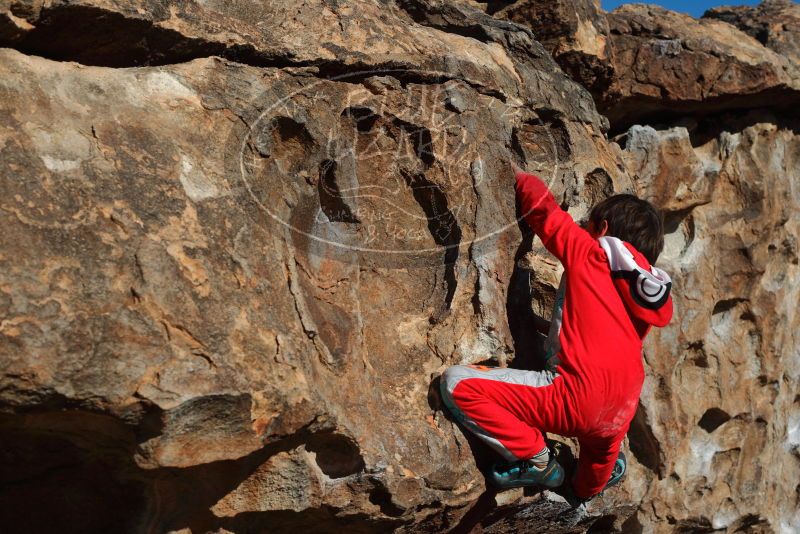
631,219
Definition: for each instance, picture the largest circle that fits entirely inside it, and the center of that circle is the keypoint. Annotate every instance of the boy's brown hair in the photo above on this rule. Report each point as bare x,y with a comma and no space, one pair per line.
633,220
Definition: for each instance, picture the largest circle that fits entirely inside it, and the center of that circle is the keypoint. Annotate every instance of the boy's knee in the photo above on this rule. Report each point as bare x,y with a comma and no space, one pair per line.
459,375
448,381
453,376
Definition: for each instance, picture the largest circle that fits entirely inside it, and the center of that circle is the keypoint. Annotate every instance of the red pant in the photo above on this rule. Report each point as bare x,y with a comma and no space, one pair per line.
509,409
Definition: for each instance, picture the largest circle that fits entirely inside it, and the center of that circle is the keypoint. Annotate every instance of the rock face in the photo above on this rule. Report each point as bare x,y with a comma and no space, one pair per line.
774,23
576,33
242,240
668,64
717,426
643,63
229,281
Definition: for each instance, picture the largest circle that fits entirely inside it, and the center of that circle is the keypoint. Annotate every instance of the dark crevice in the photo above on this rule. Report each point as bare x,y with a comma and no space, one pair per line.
356,72
57,458
711,127
662,113
697,354
713,419
673,219
443,227
46,473
632,525
52,459
421,139
363,117
602,525
336,455
94,36
700,525
643,443
724,305
493,6
423,145
488,362
528,342
482,507
330,197
746,523
382,498
477,308
283,132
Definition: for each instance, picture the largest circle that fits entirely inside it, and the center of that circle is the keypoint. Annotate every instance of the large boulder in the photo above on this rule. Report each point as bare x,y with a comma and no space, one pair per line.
450,41
717,426
231,275
241,240
575,32
669,64
646,64
774,23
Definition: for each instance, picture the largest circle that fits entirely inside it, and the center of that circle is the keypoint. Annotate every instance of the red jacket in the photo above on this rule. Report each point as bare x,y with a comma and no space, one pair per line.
613,296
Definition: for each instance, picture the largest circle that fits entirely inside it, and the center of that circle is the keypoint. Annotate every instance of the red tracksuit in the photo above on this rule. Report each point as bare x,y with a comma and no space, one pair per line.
612,297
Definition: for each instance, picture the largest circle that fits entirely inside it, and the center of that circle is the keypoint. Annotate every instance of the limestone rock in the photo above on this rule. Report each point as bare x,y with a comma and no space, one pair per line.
231,274
646,64
669,64
576,33
242,239
774,23
668,172
718,418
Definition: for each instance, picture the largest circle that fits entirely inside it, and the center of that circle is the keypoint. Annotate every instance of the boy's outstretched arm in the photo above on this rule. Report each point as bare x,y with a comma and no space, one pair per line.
559,233
595,465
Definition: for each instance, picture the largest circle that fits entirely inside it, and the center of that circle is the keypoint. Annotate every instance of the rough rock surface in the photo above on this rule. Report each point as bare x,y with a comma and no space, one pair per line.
242,239
576,33
643,63
196,282
774,23
668,64
717,427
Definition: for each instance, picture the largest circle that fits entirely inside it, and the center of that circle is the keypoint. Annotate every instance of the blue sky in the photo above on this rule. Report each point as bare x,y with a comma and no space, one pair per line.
694,8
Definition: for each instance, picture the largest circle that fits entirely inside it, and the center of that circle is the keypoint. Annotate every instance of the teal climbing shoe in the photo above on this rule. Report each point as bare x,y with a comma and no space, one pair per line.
620,467
524,473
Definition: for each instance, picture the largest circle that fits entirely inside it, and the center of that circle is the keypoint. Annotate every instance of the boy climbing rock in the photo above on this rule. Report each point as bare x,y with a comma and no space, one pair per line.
610,296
